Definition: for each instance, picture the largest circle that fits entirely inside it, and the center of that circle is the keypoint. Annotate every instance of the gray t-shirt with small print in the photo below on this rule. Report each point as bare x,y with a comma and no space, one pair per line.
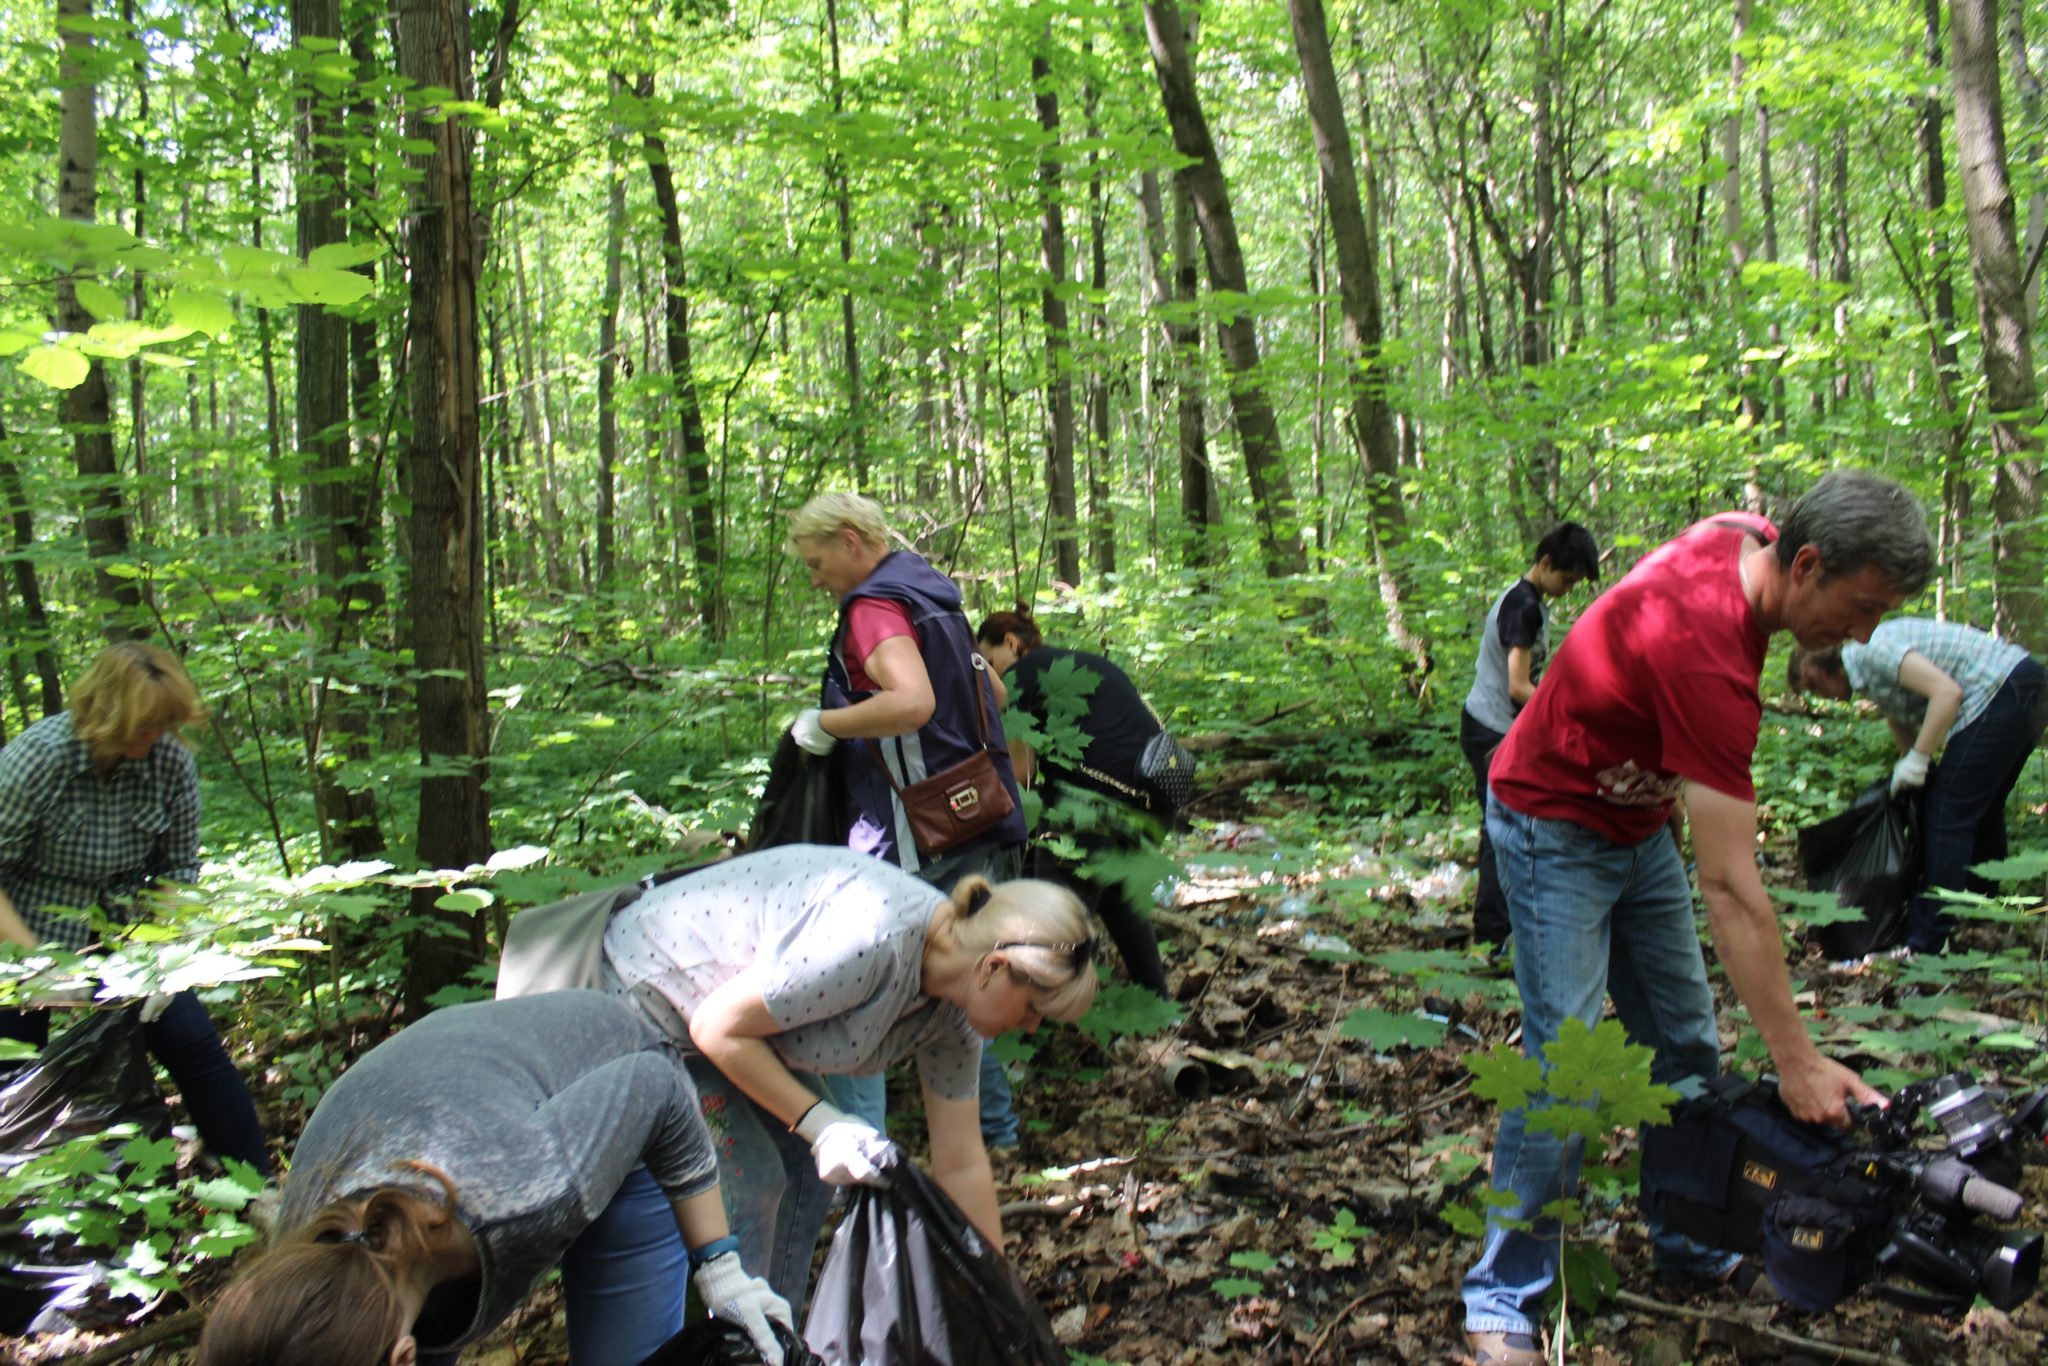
834,941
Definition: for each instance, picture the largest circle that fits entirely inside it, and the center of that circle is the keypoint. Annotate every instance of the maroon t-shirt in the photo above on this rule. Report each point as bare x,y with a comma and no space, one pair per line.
872,621
1654,687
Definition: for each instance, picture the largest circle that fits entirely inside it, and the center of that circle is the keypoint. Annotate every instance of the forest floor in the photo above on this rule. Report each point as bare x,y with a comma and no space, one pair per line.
1292,1213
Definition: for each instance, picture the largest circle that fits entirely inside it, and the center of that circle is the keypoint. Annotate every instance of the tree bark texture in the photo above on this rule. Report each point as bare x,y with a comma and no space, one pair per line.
443,457
2011,393
1258,428
1176,280
689,413
608,368
1062,506
85,407
36,639
336,497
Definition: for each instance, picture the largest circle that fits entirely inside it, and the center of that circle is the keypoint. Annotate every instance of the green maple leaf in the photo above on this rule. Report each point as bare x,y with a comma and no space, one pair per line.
1505,1077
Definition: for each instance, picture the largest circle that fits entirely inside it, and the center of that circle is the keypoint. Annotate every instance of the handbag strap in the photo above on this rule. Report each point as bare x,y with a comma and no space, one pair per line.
980,715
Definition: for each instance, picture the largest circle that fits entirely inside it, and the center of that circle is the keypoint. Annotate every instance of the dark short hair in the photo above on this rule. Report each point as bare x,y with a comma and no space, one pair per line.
1801,659
1017,623
1856,519
1571,548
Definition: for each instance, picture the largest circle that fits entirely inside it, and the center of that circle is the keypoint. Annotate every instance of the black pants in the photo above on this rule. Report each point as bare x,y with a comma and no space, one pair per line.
1130,928
1490,906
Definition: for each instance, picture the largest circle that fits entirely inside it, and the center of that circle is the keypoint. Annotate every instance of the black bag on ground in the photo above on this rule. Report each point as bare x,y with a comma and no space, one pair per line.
1869,856
1735,1171
910,1282
715,1342
94,1075
802,803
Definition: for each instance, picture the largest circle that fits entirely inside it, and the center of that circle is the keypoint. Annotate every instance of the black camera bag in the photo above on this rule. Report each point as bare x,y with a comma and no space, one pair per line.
1735,1171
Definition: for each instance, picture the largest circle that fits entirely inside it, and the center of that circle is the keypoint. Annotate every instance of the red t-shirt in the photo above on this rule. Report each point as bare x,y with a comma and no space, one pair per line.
872,621
1654,687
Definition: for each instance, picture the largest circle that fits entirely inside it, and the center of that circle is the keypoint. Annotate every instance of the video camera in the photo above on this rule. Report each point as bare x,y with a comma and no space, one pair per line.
1833,1211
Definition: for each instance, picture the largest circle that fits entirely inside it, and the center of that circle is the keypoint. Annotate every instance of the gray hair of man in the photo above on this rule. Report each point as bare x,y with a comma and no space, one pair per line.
1855,519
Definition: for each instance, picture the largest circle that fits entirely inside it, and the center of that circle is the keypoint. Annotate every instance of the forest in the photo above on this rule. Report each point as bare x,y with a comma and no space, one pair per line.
437,382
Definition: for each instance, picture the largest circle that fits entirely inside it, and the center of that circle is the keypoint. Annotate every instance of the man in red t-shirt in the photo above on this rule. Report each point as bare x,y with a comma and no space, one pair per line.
1653,698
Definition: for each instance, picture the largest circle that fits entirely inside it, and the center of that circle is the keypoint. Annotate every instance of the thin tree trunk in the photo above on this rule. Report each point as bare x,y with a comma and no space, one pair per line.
1767,208
138,298
1171,288
1358,293
1732,231
1101,511
443,458
842,204
2002,322
85,407
36,639
1062,506
2026,86
608,370
688,411
1258,428
1955,487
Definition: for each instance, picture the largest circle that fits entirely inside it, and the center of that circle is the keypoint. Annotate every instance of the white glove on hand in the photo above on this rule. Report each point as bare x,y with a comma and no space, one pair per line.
846,1149
154,1006
810,734
731,1294
1909,771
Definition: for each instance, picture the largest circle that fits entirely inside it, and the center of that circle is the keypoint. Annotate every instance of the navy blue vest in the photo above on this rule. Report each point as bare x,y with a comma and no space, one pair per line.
945,640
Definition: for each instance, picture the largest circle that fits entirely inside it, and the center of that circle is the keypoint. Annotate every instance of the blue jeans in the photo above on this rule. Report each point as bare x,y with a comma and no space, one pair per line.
624,1278
773,1198
1591,918
1962,820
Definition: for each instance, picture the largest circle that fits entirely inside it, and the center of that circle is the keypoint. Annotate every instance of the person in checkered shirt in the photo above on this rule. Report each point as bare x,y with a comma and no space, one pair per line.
1978,701
98,804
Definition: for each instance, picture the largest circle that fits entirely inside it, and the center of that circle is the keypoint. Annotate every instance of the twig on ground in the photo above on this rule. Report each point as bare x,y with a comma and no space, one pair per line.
1830,1350
1337,1319
184,1323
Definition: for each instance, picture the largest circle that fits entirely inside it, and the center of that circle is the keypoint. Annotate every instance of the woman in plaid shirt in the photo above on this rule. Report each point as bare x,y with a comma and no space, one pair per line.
98,804
1980,702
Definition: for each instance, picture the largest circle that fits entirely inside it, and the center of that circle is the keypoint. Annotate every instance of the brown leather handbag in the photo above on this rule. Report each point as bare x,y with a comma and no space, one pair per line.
953,806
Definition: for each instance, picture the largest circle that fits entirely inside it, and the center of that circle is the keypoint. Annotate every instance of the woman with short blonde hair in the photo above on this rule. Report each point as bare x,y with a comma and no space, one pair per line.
98,805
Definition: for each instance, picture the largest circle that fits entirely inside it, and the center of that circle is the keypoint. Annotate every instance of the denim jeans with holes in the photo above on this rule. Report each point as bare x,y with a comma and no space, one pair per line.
1591,918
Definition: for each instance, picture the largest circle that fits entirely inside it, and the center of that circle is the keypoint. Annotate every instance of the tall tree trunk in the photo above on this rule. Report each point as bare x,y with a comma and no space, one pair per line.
1732,231
138,297
1955,487
1767,208
337,501
1174,284
443,457
1062,506
36,639
85,407
2026,87
2002,323
842,205
689,413
1839,270
1101,511
608,369
1358,293
1258,429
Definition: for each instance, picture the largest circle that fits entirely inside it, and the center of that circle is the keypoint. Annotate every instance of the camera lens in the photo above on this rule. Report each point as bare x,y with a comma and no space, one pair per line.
2010,1269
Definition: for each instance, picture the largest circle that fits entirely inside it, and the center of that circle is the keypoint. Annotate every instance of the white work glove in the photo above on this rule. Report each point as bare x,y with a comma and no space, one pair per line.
731,1294
810,734
846,1149
154,1005
1909,771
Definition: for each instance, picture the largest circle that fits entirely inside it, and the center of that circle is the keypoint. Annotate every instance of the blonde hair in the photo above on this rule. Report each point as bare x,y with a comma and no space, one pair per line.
1044,929
131,687
331,1295
825,516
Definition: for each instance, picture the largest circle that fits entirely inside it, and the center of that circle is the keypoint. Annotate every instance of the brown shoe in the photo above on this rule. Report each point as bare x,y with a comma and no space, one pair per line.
1504,1349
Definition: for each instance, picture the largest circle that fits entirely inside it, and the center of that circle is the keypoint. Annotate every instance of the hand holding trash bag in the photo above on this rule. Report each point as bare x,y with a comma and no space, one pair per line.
847,1150
731,1294
1910,771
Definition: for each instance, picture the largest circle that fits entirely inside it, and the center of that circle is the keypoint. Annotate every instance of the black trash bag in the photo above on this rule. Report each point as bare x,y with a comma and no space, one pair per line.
91,1077
1869,856
910,1282
802,803
716,1342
